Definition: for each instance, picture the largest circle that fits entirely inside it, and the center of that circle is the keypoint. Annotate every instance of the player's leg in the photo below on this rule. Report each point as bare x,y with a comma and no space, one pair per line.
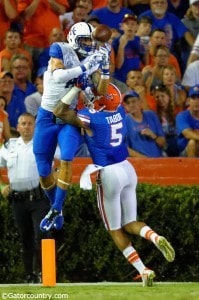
69,139
129,217
108,197
44,145
124,244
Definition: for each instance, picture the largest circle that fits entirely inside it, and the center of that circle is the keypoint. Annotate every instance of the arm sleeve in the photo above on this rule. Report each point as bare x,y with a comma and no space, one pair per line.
64,75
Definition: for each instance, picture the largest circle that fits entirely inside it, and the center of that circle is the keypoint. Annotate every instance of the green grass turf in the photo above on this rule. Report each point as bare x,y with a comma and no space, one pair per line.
103,291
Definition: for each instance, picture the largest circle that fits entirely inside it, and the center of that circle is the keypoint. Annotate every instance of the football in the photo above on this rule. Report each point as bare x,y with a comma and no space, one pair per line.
102,33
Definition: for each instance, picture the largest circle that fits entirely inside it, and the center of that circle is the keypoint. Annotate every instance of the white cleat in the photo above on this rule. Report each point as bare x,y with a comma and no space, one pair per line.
165,247
147,277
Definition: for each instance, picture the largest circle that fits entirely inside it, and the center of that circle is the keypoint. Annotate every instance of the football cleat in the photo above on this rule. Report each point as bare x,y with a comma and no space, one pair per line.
147,277
49,220
165,247
59,221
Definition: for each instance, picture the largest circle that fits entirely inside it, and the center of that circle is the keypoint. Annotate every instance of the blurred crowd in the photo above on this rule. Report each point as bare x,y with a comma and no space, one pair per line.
154,58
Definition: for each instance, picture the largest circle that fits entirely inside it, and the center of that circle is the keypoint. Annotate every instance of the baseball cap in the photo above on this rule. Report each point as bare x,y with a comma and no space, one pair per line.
129,17
194,91
193,1
6,73
130,94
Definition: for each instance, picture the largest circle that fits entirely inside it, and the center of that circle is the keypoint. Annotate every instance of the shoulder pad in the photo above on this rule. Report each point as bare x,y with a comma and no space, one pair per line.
56,50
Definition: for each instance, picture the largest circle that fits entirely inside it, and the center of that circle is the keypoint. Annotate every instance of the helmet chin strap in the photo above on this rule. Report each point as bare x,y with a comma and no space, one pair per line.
102,108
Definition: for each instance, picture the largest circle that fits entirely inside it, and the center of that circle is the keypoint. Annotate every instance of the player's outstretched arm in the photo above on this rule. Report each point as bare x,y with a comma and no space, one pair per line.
67,115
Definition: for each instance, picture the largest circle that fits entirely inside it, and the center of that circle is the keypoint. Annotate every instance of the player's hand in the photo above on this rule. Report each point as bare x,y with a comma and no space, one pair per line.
105,51
92,62
82,81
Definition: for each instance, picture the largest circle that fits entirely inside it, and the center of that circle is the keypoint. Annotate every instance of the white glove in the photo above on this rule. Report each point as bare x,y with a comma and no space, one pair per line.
105,51
92,63
105,66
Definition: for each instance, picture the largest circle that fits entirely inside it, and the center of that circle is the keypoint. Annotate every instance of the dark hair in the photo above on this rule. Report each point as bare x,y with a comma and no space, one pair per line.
145,19
13,30
162,88
157,30
170,112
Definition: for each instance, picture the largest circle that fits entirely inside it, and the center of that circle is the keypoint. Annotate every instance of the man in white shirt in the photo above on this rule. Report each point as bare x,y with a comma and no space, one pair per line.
28,202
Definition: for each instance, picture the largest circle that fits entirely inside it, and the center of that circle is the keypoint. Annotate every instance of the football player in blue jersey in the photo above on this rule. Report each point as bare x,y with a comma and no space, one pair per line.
68,61
104,126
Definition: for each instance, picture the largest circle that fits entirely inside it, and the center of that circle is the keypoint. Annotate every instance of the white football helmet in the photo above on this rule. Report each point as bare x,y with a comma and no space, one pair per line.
77,32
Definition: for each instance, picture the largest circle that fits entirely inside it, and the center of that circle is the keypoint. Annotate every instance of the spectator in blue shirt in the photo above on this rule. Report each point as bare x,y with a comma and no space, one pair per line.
112,14
172,25
187,124
145,136
20,68
127,49
14,107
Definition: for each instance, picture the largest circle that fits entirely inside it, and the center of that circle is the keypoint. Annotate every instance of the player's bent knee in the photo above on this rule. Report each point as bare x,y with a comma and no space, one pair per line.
47,182
44,169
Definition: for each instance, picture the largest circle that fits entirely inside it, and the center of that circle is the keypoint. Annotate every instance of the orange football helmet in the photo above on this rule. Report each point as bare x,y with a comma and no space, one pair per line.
110,101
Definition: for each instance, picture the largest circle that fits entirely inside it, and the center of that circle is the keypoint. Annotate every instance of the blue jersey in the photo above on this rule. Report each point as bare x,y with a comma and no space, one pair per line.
107,143
172,25
112,19
14,109
142,143
132,58
184,120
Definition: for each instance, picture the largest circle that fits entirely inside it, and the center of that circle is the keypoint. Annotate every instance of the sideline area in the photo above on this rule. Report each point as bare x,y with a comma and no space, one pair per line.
162,171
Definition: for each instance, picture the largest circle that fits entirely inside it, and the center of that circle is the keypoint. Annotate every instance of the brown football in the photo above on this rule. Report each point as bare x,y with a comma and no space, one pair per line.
102,33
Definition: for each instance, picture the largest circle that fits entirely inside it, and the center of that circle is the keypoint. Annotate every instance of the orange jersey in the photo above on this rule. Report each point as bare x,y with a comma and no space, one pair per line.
4,22
37,29
102,3
6,54
3,116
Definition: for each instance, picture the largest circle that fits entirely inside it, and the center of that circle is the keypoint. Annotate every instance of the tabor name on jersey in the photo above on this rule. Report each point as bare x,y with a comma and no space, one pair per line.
114,119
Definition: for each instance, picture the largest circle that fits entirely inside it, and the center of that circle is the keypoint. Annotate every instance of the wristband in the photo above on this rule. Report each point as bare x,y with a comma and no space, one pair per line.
105,71
83,68
105,76
70,95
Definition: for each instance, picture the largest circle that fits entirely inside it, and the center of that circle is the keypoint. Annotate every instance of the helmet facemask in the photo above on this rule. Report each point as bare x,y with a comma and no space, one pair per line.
77,36
85,49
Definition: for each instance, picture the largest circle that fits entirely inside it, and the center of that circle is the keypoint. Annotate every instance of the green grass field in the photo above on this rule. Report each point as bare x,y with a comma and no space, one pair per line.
103,291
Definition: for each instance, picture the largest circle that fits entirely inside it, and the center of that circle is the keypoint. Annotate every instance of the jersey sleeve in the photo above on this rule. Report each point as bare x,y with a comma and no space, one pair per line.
55,51
84,116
